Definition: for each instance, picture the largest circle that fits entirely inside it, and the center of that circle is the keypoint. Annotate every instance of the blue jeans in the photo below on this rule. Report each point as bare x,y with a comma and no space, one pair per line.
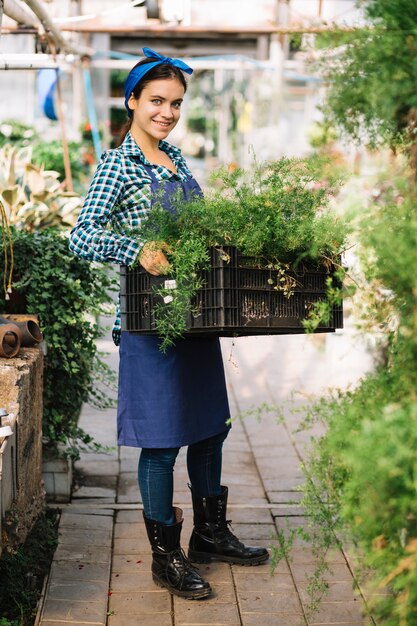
156,481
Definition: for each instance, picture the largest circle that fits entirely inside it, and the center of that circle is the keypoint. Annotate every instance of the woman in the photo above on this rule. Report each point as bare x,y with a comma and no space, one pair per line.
165,400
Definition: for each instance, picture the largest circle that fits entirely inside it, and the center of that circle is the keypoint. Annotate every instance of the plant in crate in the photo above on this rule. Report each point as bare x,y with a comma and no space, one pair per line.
279,216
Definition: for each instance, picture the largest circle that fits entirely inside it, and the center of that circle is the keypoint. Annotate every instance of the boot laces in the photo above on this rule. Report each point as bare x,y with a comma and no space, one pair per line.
181,567
227,535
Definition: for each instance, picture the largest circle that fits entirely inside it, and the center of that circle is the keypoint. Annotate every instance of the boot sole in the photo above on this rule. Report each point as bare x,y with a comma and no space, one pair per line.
205,557
189,595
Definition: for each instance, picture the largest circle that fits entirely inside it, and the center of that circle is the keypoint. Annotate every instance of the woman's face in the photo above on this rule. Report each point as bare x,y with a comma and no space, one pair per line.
158,108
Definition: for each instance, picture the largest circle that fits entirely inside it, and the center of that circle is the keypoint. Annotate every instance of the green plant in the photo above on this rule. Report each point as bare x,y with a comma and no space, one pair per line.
280,214
17,133
49,156
33,197
361,477
371,74
22,573
67,293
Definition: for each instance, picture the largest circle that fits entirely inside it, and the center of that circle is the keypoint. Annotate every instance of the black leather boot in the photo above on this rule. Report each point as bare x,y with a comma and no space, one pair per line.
170,566
212,540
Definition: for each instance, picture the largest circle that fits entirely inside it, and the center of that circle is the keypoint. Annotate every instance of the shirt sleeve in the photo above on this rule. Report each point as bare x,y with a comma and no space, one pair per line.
90,238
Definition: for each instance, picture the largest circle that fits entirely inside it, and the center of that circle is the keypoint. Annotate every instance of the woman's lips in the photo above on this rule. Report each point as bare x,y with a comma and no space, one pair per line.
162,124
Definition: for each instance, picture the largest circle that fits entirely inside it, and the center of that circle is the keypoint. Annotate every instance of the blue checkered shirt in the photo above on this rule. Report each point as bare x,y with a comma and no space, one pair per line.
118,200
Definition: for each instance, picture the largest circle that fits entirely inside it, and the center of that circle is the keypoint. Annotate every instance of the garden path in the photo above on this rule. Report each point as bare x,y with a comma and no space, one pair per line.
100,573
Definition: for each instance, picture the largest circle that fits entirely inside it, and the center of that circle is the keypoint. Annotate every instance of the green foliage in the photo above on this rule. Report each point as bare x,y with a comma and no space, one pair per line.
50,156
371,74
280,213
17,133
33,197
62,289
22,573
362,474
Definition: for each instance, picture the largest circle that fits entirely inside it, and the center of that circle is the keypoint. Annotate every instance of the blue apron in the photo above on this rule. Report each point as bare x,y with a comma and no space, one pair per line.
176,398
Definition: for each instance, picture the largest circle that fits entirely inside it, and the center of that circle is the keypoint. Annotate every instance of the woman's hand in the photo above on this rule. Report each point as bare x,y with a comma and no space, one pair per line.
152,259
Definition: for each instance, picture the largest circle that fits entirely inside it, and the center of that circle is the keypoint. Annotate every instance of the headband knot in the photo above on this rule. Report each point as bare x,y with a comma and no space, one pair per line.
138,72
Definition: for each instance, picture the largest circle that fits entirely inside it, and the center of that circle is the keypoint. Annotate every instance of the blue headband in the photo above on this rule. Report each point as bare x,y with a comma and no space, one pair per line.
136,74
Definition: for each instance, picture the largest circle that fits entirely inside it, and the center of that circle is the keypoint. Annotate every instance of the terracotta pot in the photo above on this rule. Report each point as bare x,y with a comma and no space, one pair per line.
9,341
30,333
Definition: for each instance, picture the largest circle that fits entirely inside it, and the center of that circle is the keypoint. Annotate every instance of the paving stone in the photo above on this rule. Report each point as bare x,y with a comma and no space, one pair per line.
127,517
71,623
95,492
288,510
140,619
85,554
249,515
339,572
87,522
205,612
244,494
82,507
129,452
129,465
93,502
254,531
112,455
235,478
281,601
137,562
85,537
129,531
131,545
69,570
247,582
96,480
97,467
78,591
223,593
132,581
281,496
335,556
132,497
282,453
128,479
272,619
216,573
283,483
303,554
336,592
336,612
281,567
140,602
70,611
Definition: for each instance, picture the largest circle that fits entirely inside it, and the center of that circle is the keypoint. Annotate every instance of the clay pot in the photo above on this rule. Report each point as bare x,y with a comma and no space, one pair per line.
9,341
30,333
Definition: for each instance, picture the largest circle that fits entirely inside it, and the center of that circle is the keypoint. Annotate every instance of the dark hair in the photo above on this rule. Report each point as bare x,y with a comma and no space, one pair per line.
161,71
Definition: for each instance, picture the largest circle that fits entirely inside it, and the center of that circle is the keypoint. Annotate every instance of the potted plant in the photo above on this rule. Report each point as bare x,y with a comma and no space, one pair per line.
279,216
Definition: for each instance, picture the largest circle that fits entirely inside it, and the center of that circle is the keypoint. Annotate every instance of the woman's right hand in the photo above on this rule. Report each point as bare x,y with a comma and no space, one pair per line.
152,259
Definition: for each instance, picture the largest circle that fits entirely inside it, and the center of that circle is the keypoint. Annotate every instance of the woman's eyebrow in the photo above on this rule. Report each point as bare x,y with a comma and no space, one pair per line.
162,98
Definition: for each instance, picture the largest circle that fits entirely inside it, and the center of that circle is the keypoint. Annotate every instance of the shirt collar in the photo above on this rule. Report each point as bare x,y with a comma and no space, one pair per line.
129,147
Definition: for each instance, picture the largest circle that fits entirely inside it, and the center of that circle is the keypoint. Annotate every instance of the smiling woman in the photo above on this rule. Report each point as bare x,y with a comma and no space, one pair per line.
166,399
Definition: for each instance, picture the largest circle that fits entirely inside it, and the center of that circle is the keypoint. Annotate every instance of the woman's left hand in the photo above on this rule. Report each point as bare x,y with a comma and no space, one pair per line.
152,259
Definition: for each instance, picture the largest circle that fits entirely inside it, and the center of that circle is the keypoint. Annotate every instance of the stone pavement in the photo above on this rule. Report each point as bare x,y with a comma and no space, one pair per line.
101,570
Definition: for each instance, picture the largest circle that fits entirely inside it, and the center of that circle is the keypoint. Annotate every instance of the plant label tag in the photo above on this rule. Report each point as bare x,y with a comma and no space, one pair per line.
170,284
168,299
5,431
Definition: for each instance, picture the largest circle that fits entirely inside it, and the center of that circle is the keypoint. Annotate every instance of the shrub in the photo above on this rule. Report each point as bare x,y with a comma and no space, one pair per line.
62,289
362,474
280,213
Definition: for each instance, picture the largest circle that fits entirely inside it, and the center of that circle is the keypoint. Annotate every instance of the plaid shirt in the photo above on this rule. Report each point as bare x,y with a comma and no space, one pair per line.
118,200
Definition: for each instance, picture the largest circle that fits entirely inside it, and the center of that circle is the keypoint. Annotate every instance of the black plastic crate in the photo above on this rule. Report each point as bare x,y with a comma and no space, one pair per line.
238,298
